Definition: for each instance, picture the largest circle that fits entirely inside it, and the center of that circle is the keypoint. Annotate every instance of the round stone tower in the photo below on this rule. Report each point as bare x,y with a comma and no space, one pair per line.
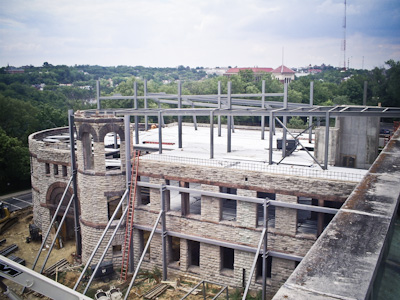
101,178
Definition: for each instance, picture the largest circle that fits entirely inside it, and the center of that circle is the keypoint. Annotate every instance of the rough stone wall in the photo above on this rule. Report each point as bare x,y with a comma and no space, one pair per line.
43,153
244,231
332,190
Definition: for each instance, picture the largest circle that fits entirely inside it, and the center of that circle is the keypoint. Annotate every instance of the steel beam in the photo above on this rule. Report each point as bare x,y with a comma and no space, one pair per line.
57,232
39,283
101,239
143,254
106,248
253,266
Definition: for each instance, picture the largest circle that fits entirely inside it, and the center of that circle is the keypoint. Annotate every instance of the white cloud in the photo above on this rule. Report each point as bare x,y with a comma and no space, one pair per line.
194,33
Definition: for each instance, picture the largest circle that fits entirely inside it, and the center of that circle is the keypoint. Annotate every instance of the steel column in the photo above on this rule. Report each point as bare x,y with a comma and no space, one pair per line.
160,132
98,94
219,107
136,117
310,118
326,140
194,119
211,134
179,117
78,239
229,120
164,233
146,120
285,106
263,107
265,254
128,153
271,140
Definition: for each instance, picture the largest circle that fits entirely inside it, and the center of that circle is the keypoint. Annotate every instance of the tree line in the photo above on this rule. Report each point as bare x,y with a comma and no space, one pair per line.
40,97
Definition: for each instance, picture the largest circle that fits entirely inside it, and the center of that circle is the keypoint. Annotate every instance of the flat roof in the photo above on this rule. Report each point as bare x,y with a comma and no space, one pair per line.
248,151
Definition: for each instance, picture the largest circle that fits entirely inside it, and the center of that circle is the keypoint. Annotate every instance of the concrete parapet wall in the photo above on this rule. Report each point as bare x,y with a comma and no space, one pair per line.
343,263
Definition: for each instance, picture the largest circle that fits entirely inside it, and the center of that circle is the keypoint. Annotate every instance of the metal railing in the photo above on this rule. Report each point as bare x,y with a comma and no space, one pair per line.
259,167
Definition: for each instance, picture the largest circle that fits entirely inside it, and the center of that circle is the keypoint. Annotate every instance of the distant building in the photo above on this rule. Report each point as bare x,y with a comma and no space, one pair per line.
283,73
12,70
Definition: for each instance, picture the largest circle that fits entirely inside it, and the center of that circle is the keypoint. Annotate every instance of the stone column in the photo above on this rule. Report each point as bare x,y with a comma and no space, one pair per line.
286,218
211,207
246,212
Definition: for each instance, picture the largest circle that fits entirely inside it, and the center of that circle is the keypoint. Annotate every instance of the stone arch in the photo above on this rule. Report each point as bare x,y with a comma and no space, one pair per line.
111,127
86,128
53,197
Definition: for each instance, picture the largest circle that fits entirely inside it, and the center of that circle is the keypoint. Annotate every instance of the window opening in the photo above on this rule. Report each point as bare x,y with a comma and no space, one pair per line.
117,249
47,168
143,238
174,250
174,197
270,210
259,267
227,258
88,151
228,205
195,200
144,192
185,199
112,204
194,253
55,167
349,161
307,221
64,171
112,151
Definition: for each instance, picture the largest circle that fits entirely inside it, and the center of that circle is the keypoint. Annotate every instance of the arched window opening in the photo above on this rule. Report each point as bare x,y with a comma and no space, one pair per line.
88,151
112,144
67,231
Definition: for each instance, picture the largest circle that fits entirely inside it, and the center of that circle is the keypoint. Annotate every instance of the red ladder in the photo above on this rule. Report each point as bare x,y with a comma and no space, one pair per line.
129,218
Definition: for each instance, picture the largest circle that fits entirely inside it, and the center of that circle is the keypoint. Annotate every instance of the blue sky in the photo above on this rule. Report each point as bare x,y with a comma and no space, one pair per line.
193,33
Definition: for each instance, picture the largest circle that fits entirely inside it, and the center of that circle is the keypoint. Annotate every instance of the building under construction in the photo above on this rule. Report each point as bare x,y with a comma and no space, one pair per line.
238,205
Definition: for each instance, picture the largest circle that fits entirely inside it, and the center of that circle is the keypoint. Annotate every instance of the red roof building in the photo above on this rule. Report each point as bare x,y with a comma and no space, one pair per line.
283,73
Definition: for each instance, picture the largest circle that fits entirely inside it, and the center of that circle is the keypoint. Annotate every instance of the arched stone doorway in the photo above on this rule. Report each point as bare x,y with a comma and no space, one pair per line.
53,197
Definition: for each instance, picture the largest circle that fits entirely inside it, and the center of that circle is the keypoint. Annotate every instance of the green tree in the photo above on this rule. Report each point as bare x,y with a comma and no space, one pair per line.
14,163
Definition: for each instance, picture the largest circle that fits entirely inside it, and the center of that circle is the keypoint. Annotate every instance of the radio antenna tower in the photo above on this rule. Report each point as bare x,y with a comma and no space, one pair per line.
344,37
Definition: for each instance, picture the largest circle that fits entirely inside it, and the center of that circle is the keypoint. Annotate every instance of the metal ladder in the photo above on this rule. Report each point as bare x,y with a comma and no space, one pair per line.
129,218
